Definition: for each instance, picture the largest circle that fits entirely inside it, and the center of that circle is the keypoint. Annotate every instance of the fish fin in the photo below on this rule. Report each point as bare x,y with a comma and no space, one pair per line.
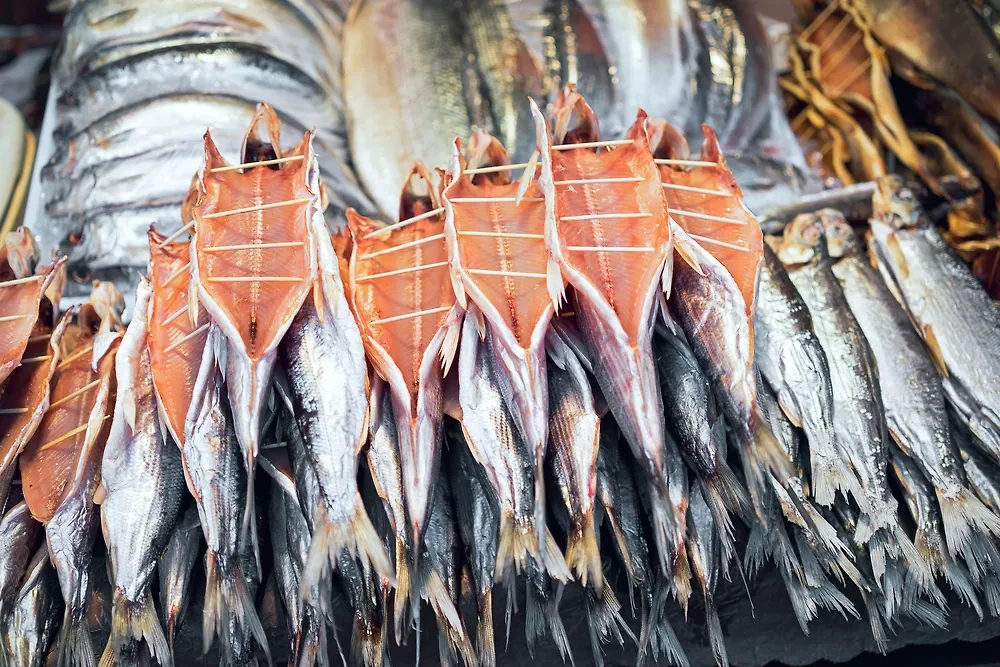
513,547
924,612
534,620
991,591
484,631
689,256
657,634
667,276
524,181
901,267
554,283
959,582
962,514
449,346
715,637
755,554
402,591
583,555
367,648
830,476
449,622
226,594
135,622
769,452
682,579
552,558
249,529
724,495
916,566
557,629
74,648
937,356
876,620
803,606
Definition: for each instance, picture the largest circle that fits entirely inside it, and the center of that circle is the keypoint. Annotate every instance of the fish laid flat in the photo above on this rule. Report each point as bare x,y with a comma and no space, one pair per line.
20,299
142,478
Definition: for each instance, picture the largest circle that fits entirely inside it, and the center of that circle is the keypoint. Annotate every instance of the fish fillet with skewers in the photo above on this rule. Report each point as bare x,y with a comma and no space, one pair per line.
402,296
499,261
607,227
253,260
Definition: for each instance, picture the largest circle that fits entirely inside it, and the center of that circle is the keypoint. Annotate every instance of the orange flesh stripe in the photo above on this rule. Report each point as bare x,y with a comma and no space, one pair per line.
622,278
26,388
49,463
174,372
520,299
258,310
19,300
742,262
377,300
843,57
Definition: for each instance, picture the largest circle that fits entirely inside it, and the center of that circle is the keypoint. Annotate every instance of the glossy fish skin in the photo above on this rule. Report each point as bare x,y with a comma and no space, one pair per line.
912,391
961,327
704,552
176,567
26,636
142,478
793,361
19,534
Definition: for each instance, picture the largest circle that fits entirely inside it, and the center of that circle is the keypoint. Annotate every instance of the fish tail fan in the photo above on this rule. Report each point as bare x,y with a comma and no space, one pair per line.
227,596
449,622
211,617
401,595
823,591
553,560
926,613
876,620
682,580
664,525
959,581
485,647
755,554
831,474
368,546
768,451
878,546
513,548
881,514
248,530
715,637
556,627
991,591
803,606
963,514
133,622
665,640
824,530
916,564
241,603
73,648
367,647
604,616
313,649
725,496
534,619
583,555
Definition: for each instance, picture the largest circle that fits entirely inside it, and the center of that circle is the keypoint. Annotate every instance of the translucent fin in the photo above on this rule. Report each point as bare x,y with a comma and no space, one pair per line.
485,647
74,648
227,596
131,622
962,514
584,557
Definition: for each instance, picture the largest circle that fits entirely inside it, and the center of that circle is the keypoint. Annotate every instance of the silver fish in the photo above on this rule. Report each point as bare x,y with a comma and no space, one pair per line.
26,636
960,324
541,610
369,643
912,391
704,553
19,534
176,567
143,484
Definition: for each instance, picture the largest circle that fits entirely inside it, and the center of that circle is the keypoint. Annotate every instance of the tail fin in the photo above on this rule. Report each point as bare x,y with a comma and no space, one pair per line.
74,648
605,620
249,527
725,495
330,539
553,559
830,474
583,556
514,546
657,635
226,595
876,620
960,582
368,645
401,597
715,637
926,613
682,580
449,622
313,648
962,514
484,631
135,621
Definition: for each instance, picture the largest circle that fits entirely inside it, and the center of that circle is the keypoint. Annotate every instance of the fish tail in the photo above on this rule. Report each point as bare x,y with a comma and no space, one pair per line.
556,627
755,554
991,591
920,568
664,528
248,529
402,591
583,556
768,451
725,496
715,637
924,612
553,559
876,620
821,588
682,580
131,621
74,648
313,650
605,618
962,514
226,594
514,545
368,645
450,624
657,634
803,606
959,581
484,631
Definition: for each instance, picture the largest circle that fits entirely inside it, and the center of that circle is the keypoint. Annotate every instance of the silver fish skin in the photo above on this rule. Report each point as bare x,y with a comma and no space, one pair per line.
859,416
477,517
25,638
324,361
400,108
217,480
791,359
960,325
143,482
704,553
109,239
980,471
176,567
19,534
541,610
912,391
369,643
103,32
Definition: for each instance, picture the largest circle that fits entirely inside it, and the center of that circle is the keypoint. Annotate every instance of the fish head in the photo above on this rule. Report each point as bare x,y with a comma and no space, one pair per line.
802,238
841,241
896,204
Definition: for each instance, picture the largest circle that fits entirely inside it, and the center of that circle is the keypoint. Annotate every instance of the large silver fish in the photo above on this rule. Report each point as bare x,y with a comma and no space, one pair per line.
19,534
954,315
142,479
176,567
25,638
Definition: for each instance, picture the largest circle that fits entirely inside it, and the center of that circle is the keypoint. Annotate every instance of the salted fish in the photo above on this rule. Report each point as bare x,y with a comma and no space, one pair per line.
175,569
19,533
27,635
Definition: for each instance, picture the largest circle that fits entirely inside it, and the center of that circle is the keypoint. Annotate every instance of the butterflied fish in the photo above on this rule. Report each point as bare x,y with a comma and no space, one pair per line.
617,268
401,291
27,635
960,326
143,484
20,298
60,467
19,534
176,566
254,264
912,391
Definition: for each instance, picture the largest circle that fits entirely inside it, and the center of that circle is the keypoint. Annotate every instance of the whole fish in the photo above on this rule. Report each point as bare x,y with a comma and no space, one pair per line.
400,108
106,240
19,534
176,567
960,326
477,517
793,362
26,636
143,484
912,391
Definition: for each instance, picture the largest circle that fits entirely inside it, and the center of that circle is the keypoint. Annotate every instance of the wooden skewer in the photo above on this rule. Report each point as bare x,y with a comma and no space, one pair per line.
76,355
593,144
13,411
262,163
79,392
705,216
35,360
402,246
255,246
407,316
179,272
705,239
35,339
504,235
509,274
258,207
11,318
602,248
588,181
492,200
176,235
843,52
606,216
399,272
499,167
691,188
835,33
175,316
66,436
686,163
403,223
853,76
254,279
176,344
823,15
20,281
